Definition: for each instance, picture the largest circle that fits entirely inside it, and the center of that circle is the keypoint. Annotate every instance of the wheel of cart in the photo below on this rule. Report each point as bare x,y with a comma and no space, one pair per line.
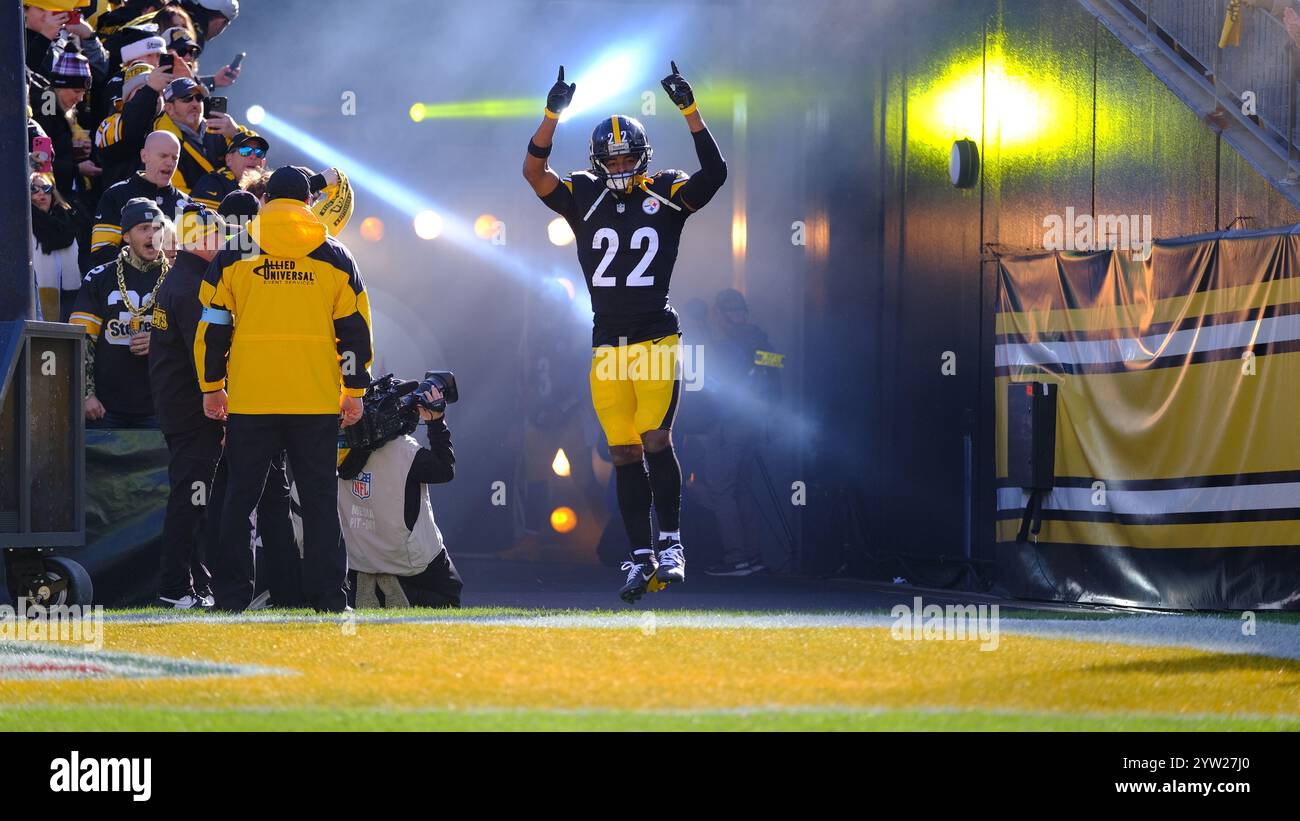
48,580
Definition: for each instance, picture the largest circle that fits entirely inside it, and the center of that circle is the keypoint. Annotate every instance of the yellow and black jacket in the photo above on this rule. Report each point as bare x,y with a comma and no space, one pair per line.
212,188
199,156
288,322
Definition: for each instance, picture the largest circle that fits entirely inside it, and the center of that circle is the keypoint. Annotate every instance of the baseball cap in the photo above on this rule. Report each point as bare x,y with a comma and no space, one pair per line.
239,204
244,138
197,224
182,87
290,182
177,37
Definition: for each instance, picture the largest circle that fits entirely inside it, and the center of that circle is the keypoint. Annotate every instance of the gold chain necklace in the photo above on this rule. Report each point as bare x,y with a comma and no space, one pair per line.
138,311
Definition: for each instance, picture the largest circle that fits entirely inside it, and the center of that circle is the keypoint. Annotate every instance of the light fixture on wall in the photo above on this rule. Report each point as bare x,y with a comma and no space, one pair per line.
964,166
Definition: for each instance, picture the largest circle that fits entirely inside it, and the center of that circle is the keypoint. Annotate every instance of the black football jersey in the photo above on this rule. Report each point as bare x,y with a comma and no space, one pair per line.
627,247
121,377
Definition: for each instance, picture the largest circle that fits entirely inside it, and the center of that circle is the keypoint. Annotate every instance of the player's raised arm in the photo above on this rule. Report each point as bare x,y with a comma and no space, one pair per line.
696,192
536,169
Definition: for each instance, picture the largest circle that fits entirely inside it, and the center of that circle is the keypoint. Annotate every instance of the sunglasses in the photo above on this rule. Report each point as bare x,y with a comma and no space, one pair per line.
251,151
188,52
42,189
190,99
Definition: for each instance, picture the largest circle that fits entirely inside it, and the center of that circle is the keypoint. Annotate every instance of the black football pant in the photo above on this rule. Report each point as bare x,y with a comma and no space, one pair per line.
192,463
438,586
277,561
311,445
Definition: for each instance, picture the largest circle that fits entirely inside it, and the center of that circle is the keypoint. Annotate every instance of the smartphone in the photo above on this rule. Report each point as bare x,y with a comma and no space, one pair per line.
45,147
239,59
167,62
74,17
217,104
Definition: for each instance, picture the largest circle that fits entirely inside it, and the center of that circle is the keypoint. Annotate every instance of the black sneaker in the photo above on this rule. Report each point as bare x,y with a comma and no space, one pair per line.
672,562
640,570
735,569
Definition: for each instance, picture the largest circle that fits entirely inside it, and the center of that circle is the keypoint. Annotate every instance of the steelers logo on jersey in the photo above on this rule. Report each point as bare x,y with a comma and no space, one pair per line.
650,205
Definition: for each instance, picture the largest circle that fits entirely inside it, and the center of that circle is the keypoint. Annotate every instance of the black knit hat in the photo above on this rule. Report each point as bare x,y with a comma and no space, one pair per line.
137,211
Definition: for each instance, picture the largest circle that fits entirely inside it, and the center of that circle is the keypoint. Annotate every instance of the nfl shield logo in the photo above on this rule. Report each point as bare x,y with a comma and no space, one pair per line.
361,486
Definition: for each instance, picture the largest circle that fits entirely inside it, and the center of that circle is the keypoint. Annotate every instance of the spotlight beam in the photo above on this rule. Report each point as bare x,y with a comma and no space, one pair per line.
367,177
616,72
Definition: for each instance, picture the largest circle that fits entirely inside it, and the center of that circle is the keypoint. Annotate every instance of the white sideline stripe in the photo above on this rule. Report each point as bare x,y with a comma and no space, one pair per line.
1146,348
1161,502
1204,633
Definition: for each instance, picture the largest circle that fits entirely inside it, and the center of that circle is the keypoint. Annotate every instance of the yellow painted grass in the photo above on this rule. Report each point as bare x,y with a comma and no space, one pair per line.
475,666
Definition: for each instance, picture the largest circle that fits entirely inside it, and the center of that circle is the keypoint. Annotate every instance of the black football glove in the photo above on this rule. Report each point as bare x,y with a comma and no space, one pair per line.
679,91
560,95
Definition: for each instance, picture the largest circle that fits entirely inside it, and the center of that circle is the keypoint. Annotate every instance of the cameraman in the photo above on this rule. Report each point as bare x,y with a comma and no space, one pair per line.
385,512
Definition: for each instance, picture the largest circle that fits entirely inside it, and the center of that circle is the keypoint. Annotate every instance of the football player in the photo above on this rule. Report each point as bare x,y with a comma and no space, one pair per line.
628,222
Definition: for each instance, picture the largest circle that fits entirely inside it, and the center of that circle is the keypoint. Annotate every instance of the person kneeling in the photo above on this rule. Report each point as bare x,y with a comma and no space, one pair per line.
392,540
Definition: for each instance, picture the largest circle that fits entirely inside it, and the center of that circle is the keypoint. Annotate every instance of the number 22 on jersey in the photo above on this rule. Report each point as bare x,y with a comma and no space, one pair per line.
607,238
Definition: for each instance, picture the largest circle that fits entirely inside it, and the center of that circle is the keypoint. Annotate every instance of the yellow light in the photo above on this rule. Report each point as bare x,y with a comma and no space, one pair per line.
564,520
484,225
739,235
561,463
417,112
476,109
559,232
997,99
428,225
372,229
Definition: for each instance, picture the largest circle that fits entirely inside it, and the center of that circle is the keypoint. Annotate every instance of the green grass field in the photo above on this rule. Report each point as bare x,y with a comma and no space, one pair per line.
504,669
121,718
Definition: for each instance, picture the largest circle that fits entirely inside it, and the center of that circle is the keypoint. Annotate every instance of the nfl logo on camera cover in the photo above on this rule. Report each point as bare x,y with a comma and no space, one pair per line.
361,486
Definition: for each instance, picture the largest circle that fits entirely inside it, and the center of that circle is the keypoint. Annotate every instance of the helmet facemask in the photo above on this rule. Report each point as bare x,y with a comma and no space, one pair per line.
633,144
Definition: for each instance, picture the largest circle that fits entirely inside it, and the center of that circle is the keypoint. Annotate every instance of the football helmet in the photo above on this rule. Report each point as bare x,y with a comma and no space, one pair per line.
616,136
